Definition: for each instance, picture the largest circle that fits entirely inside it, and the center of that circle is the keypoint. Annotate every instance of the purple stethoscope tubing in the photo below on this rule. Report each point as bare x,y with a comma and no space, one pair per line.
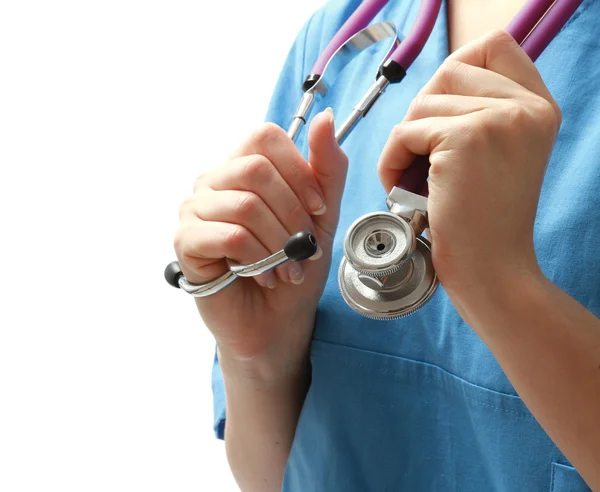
409,48
534,27
536,24
549,26
359,19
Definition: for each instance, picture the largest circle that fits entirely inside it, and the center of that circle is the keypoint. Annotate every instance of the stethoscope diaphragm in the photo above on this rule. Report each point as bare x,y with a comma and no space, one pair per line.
377,244
395,295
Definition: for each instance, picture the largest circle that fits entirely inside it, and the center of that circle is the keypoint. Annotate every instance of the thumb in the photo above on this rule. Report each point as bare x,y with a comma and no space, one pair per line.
330,165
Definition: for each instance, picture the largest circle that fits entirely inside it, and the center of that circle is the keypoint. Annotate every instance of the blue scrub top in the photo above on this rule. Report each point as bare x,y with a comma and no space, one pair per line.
420,404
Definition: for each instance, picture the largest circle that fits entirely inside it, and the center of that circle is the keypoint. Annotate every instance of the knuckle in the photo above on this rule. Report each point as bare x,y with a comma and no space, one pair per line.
547,114
514,116
474,135
267,133
181,243
186,206
200,181
418,105
247,204
449,71
538,114
236,239
498,38
256,168
178,240
343,164
397,132
558,115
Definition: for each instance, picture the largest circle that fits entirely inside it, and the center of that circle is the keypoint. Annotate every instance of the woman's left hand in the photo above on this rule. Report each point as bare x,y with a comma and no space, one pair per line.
488,123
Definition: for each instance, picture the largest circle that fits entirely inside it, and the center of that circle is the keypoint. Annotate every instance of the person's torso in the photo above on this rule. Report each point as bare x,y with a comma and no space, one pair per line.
419,403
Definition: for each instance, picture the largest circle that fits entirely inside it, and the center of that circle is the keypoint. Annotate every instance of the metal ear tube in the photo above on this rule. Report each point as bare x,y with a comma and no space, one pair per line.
300,246
317,84
387,270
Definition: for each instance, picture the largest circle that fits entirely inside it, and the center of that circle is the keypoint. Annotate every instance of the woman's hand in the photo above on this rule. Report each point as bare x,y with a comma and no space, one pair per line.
246,210
488,123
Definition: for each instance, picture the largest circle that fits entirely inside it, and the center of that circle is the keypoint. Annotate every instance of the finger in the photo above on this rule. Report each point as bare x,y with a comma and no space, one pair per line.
272,142
202,246
428,105
460,78
248,210
330,165
256,174
409,139
500,53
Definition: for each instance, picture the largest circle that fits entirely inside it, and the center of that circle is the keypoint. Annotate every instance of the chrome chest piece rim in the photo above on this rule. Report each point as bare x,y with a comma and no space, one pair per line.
393,296
387,270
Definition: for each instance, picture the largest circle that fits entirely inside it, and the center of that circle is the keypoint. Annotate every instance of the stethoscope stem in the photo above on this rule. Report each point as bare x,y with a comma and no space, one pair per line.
317,84
360,111
301,115
362,108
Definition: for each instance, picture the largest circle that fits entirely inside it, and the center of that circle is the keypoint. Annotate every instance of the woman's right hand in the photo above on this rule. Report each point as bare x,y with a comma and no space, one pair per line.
246,210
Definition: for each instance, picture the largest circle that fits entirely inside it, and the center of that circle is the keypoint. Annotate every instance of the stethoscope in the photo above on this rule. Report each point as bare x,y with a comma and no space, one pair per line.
387,270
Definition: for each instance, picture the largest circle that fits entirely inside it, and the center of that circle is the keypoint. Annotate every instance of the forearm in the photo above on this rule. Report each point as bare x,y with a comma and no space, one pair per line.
549,347
262,414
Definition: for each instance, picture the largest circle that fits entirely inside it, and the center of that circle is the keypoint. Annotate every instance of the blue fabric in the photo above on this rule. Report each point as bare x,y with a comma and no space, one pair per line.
420,404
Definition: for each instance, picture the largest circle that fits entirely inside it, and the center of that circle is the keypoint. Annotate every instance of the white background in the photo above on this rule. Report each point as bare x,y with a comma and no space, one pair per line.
108,111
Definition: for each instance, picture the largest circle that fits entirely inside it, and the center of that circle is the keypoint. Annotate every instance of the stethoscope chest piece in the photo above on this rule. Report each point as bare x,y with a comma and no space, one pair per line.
387,270
378,244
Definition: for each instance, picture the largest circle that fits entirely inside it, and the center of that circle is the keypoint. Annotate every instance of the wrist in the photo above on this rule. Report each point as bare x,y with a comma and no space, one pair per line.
488,298
267,369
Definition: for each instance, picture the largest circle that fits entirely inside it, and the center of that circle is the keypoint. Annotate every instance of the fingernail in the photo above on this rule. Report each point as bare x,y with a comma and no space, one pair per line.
296,275
271,281
315,202
330,111
317,255
331,123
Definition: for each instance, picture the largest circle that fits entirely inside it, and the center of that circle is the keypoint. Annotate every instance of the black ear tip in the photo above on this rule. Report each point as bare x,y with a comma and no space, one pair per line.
173,273
300,246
